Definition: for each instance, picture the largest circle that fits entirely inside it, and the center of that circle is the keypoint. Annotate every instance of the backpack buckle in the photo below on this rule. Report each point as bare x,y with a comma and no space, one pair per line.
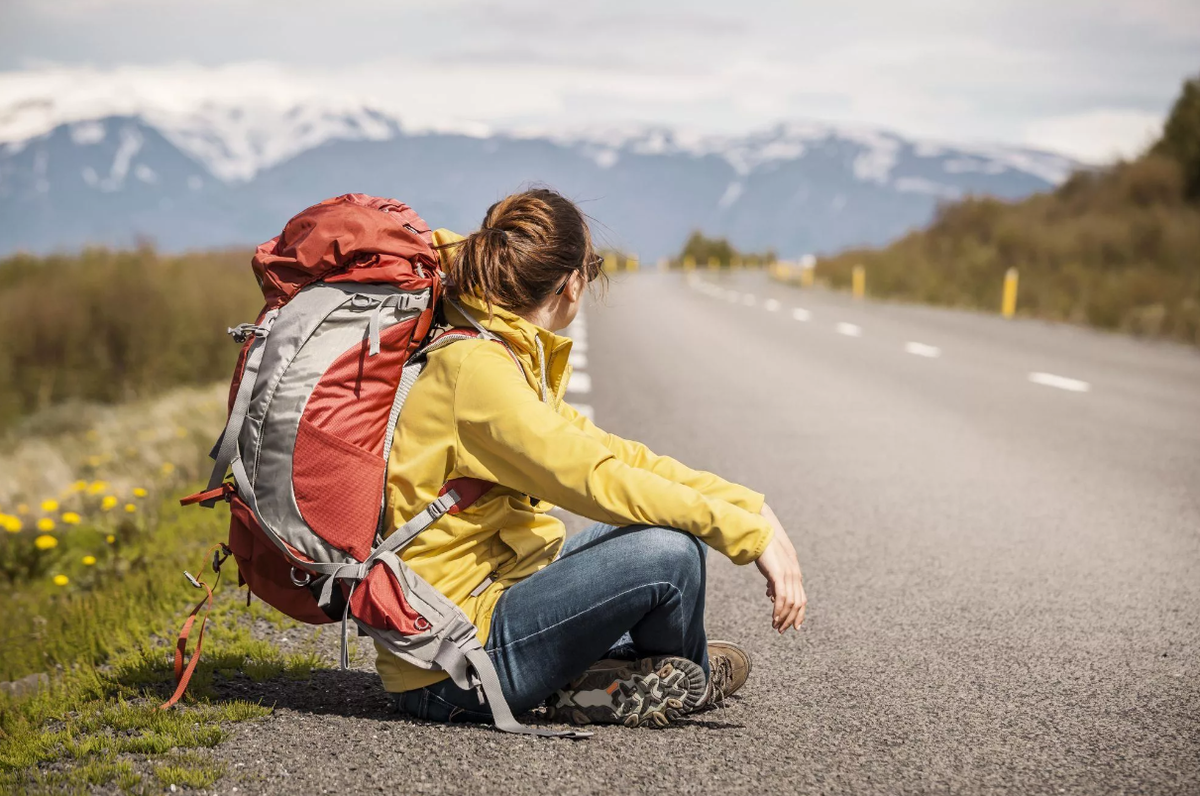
219,555
244,331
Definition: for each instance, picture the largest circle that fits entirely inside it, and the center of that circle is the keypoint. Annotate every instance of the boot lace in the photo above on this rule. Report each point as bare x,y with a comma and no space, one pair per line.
720,676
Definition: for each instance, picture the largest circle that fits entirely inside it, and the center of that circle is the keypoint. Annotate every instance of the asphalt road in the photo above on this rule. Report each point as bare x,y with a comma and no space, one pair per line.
1003,567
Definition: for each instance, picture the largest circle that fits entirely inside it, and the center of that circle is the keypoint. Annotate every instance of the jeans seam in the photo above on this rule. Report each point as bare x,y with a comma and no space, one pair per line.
585,611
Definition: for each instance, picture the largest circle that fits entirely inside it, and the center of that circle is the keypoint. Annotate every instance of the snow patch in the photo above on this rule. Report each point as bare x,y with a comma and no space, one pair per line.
732,193
145,174
87,133
922,185
605,158
969,165
130,144
878,156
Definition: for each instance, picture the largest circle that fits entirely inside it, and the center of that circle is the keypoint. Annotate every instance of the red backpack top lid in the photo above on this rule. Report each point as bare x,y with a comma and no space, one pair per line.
349,238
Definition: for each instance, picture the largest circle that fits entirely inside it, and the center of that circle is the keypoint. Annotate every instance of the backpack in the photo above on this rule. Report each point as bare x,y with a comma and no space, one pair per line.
351,287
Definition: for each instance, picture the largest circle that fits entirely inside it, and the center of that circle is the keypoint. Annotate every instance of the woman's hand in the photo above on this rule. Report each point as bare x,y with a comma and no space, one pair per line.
785,586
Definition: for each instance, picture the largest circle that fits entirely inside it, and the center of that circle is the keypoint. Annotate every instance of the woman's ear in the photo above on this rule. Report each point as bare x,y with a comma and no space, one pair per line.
575,287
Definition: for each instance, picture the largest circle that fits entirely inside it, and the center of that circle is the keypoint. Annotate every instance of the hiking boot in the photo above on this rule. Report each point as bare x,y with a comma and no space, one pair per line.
650,692
729,667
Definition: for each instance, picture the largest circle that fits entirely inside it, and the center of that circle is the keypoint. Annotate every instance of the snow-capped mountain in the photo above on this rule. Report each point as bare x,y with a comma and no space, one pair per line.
213,173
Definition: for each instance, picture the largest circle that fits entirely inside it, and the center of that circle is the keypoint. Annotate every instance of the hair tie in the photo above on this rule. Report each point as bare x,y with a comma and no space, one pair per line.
503,233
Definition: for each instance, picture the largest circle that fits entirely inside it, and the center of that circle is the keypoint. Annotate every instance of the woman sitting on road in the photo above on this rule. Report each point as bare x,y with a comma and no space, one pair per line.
607,626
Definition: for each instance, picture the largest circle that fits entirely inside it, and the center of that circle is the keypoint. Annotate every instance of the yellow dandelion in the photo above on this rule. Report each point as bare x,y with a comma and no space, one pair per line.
110,538
108,503
11,524
168,468
181,432
49,505
45,542
71,518
139,492
61,580
45,524
94,461
89,561
130,508
79,486
96,487
22,508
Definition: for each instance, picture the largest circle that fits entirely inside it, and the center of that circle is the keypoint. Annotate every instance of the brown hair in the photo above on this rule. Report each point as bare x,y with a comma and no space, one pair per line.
529,244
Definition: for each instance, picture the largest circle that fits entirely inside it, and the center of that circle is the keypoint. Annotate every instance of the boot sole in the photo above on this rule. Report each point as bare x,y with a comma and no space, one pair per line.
645,696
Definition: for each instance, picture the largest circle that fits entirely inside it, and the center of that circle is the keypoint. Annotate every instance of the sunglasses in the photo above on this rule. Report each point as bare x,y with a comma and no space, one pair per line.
596,263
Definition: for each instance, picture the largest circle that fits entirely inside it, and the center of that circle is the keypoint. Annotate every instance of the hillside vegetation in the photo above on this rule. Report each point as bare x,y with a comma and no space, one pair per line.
107,326
1117,248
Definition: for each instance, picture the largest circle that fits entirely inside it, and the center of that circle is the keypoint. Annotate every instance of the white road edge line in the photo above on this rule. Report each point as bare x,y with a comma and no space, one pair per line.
578,359
1061,382
801,314
923,350
849,329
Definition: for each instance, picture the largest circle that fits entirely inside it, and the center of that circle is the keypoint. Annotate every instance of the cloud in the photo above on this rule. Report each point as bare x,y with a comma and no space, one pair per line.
1004,71
1097,136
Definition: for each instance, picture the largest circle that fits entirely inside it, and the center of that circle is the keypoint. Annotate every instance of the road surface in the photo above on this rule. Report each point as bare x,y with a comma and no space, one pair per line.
999,524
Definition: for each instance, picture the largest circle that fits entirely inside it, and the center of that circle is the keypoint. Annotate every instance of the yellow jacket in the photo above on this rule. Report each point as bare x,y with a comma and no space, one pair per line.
473,413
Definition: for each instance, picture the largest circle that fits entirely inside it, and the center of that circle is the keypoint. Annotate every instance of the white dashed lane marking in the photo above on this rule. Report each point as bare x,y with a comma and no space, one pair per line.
923,350
580,383
578,359
849,329
1061,382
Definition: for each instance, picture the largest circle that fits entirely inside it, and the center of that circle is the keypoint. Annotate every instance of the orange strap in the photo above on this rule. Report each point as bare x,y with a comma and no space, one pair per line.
183,675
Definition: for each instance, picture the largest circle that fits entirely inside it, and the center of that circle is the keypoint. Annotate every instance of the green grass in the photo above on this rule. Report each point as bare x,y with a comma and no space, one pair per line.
108,648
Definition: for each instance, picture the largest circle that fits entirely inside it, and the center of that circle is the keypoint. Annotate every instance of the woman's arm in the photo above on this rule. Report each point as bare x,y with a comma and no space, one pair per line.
635,454
508,436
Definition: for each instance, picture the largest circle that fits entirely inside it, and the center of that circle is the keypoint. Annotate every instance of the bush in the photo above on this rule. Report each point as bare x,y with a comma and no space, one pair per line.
107,326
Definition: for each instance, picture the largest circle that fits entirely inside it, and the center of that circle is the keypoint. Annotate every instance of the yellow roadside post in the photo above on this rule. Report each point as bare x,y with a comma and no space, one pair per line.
808,276
1008,305
713,263
631,262
610,263
689,263
859,283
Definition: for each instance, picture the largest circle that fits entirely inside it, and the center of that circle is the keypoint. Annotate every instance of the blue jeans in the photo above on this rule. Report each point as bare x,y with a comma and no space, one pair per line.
629,592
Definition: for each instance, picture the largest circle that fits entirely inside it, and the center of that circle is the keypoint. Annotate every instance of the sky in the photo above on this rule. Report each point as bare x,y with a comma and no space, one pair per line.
1089,78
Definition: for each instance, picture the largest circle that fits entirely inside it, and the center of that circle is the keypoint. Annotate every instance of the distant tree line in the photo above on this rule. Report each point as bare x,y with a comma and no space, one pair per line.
703,249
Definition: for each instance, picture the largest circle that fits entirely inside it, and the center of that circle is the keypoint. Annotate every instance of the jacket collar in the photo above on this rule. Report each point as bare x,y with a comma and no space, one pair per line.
531,344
